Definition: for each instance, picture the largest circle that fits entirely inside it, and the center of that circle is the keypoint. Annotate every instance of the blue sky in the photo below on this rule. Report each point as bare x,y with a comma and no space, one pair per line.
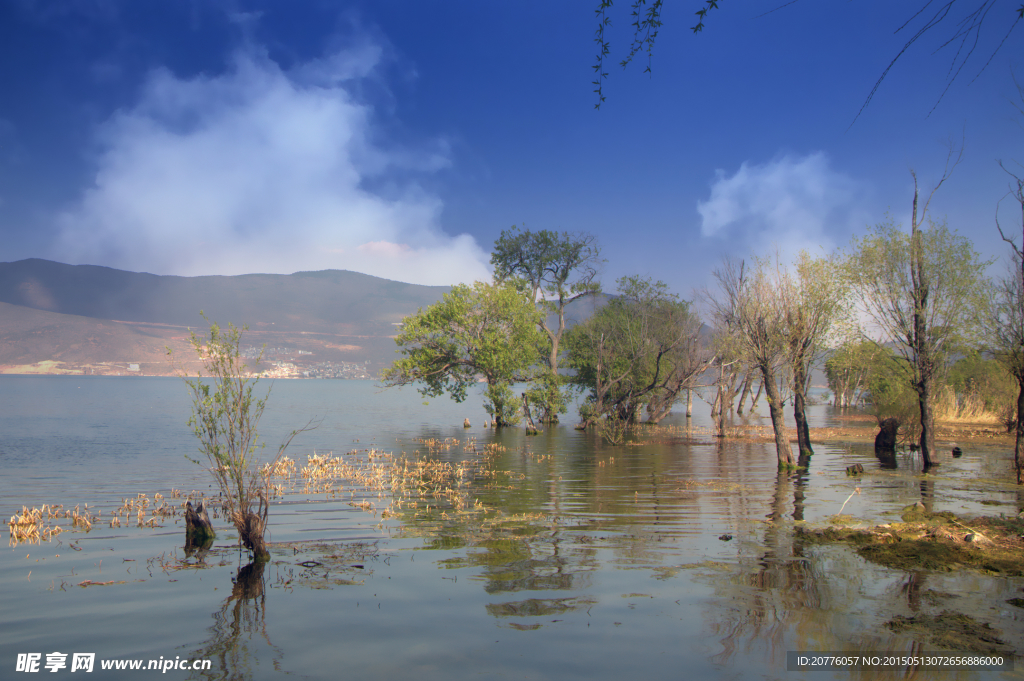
399,138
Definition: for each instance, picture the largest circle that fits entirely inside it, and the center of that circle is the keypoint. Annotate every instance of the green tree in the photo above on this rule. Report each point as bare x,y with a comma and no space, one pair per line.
558,269
847,370
488,330
979,383
923,293
890,391
641,349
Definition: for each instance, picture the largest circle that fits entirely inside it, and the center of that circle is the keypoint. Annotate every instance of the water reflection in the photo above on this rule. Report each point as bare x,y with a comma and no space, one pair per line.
563,528
197,550
239,631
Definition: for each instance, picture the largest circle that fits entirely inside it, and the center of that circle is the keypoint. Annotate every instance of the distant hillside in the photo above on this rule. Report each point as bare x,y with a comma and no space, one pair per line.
332,301
57,318
36,341
98,319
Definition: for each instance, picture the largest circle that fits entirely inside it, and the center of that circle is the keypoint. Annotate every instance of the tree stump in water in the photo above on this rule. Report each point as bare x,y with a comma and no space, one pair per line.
885,441
198,528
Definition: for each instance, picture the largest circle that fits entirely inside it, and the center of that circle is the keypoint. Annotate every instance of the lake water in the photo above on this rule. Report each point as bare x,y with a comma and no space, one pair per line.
555,556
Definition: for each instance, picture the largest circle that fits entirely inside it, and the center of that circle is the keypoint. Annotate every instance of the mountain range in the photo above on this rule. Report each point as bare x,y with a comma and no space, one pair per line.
57,318
86,319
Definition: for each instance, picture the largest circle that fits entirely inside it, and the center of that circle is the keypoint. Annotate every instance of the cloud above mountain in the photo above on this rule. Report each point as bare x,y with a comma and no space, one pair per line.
262,169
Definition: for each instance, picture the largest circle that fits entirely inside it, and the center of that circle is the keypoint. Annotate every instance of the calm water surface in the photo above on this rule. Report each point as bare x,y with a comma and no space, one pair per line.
571,559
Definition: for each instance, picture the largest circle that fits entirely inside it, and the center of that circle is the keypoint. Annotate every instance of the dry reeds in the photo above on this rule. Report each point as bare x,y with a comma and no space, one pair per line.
32,525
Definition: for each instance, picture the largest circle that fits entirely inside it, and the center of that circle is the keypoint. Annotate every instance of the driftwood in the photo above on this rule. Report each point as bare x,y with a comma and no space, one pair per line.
198,528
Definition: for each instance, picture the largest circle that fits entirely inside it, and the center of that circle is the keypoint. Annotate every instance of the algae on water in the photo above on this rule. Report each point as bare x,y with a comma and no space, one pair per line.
953,631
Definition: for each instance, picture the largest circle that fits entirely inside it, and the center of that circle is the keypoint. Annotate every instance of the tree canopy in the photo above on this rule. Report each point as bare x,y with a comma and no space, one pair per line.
490,330
641,349
557,269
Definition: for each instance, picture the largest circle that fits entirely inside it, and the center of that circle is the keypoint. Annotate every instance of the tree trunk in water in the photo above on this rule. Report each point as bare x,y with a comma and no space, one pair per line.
251,527
927,424
744,391
531,427
924,369
782,448
803,432
689,403
721,422
757,397
1018,454
658,408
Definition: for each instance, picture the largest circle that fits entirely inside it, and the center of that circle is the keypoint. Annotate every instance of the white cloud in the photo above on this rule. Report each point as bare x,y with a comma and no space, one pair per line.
262,170
792,203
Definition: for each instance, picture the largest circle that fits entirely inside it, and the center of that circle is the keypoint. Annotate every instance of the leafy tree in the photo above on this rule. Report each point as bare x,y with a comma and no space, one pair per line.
979,383
890,392
847,370
490,330
641,349
923,293
558,269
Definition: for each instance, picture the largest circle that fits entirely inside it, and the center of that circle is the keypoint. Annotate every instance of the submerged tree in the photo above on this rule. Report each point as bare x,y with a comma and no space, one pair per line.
488,330
557,269
922,291
848,369
225,416
641,349
814,301
754,304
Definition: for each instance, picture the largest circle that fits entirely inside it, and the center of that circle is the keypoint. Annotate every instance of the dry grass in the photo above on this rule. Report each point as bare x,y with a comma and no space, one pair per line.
968,408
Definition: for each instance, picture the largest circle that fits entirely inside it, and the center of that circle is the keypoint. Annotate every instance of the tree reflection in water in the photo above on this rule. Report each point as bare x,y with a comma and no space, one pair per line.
782,591
786,599
239,628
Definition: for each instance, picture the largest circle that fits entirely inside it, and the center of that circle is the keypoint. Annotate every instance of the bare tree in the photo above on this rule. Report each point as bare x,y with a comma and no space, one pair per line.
752,304
962,37
922,291
814,300
1006,325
